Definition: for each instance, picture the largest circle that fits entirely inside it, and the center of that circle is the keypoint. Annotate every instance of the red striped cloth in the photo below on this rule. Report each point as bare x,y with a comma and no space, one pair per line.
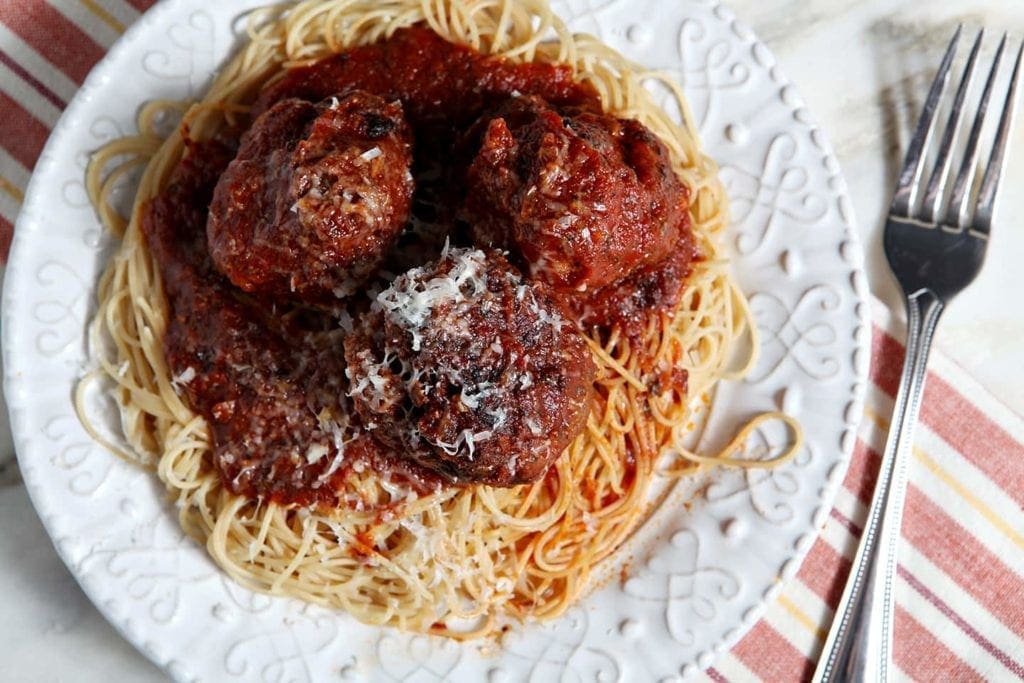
960,590
46,51
960,586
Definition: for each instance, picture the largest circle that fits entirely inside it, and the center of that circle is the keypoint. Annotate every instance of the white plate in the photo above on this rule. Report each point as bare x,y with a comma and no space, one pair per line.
693,591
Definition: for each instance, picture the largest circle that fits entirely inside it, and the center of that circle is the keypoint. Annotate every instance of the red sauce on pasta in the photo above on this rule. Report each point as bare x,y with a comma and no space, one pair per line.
267,369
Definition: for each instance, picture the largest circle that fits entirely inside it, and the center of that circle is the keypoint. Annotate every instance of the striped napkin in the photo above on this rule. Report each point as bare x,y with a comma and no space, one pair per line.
960,585
960,590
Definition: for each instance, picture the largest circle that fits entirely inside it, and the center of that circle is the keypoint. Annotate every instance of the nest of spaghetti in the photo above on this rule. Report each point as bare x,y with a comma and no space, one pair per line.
414,307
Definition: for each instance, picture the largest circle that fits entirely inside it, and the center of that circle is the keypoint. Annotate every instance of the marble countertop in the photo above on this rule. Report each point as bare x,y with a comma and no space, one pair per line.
863,66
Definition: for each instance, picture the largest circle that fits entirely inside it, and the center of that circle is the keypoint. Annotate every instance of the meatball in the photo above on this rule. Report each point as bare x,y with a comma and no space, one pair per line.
470,370
313,198
582,198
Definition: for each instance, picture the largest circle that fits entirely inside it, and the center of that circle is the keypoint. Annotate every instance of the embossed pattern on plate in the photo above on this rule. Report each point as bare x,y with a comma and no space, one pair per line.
698,579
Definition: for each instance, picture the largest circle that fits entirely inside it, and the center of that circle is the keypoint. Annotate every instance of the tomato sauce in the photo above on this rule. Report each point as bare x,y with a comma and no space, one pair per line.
269,375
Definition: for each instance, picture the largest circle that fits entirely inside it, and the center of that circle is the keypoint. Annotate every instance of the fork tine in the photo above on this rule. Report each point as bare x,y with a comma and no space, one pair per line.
936,184
962,186
994,171
906,186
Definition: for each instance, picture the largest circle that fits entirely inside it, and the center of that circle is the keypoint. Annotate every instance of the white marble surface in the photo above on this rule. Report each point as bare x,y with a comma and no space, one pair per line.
863,67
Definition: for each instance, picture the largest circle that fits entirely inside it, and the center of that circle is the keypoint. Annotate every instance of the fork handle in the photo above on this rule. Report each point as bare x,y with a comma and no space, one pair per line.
859,644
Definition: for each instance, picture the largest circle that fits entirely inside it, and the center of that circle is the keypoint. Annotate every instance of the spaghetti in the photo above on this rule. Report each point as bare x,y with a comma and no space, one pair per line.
456,560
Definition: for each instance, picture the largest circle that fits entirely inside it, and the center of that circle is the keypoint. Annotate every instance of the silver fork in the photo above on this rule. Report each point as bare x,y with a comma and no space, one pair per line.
934,254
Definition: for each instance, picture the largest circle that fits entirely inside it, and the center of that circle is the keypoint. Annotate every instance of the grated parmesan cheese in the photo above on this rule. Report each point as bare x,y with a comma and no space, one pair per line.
472,396
439,303
466,437
409,301
315,452
370,154
395,490
178,381
345,321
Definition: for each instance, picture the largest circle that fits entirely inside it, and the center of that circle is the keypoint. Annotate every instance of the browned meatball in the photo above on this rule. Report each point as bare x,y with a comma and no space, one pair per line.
315,195
470,370
584,199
